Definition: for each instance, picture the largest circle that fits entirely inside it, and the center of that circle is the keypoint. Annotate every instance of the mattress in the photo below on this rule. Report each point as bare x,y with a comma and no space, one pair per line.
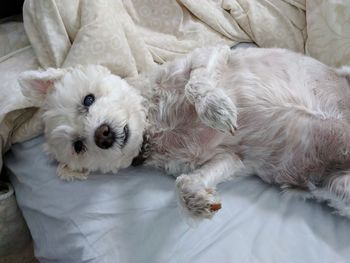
133,217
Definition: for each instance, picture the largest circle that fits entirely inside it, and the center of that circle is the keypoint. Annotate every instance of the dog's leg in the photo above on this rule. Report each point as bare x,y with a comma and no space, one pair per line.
197,190
67,174
212,104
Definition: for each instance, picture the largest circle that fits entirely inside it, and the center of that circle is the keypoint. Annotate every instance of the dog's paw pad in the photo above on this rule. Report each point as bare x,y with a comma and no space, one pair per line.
215,207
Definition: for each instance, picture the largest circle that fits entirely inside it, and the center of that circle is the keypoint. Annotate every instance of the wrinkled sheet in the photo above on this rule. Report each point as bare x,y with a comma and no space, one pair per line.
133,217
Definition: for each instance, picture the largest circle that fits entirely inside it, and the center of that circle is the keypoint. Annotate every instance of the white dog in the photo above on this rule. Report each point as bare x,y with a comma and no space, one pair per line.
211,116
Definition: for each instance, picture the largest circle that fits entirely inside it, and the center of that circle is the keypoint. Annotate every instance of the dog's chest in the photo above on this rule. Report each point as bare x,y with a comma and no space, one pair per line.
179,141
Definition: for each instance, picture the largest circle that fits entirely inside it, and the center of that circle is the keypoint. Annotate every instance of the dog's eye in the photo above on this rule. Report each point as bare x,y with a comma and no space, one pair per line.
89,100
78,146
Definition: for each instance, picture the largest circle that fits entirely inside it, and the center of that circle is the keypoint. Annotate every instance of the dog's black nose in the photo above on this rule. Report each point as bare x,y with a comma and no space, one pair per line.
104,136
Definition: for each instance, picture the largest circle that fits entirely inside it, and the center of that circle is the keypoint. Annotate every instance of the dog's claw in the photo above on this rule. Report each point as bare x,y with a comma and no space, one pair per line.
233,130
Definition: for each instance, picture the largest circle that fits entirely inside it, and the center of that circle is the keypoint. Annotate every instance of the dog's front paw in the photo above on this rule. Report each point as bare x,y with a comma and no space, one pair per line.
213,107
197,200
67,174
218,111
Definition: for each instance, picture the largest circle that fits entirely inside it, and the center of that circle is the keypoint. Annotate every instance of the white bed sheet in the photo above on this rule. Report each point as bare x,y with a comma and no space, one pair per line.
133,217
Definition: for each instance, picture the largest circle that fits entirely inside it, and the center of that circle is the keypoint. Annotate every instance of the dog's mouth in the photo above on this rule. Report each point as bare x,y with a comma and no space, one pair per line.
126,134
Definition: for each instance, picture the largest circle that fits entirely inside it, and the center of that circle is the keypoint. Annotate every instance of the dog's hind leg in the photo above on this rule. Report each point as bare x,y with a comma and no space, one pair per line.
197,190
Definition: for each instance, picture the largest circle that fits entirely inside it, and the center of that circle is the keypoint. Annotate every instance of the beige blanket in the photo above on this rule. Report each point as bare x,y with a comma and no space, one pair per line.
130,36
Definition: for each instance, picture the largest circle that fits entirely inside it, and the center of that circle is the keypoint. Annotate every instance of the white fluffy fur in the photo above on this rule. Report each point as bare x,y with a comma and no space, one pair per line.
209,117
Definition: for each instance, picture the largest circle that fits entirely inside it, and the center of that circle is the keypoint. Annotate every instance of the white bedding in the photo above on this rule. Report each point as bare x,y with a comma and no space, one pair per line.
133,217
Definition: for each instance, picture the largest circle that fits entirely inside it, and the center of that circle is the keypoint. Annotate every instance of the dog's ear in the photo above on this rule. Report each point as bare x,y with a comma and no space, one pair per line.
67,174
35,84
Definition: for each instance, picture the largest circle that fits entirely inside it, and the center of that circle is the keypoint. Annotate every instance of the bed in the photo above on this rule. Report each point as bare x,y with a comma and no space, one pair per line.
133,216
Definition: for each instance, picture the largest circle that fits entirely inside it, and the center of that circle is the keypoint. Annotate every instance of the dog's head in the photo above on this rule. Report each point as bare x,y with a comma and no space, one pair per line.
93,119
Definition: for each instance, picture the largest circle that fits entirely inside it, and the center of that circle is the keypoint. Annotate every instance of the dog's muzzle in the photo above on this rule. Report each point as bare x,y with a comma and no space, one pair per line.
104,136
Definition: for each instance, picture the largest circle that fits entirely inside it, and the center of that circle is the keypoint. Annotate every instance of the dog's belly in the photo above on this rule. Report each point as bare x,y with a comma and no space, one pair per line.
185,144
